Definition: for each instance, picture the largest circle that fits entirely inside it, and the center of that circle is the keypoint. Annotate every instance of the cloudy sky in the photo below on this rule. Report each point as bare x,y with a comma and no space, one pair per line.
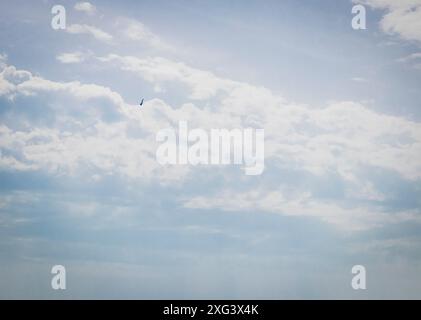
80,185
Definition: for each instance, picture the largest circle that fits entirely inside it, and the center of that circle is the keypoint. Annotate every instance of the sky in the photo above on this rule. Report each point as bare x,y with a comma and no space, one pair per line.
80,185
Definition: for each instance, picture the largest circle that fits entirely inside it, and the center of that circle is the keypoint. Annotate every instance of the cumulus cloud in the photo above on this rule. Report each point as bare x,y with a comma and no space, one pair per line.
107,146
14,81
343,137
77,157
10,77
402,17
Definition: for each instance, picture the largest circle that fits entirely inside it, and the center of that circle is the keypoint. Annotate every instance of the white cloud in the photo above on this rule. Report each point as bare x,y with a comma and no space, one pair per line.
403,17
9,77
85,7
413,56
413,60
75,88
301,204
359,79
137,31
157,70
108,147
342,137
5,87
13,81
71,57
90,30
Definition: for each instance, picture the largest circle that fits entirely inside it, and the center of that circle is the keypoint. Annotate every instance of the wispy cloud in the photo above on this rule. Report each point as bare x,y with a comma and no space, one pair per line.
90,30
71,57
413,60
359,79
413,56
136,31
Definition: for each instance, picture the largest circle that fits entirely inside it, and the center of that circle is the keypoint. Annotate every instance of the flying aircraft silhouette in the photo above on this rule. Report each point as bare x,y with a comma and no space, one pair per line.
141,102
